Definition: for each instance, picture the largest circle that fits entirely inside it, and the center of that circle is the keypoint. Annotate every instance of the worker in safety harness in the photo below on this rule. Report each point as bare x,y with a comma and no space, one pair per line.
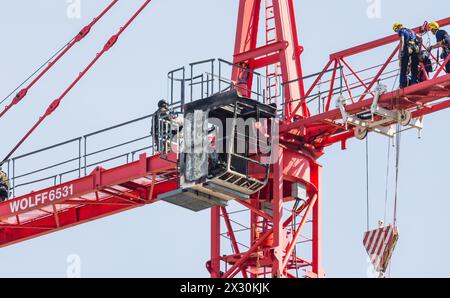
443,41
408,55
165,126
4,186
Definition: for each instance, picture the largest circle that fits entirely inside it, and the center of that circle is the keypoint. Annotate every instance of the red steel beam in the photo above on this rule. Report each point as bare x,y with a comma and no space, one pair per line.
424,88
255,210
246,34
379,73
232,271
215,242
293,242
266,61
260,52
314,84
377,43
79,211
429,110
68,218
226,218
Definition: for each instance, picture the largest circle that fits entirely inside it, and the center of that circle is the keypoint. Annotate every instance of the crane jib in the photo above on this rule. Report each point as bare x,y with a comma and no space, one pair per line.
40,199
110,43
81,35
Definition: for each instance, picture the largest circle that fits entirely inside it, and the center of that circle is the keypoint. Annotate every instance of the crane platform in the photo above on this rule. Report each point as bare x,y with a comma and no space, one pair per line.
420,99
101,193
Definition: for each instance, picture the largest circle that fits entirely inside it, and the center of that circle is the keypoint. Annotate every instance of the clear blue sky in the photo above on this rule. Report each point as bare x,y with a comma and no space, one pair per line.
167,241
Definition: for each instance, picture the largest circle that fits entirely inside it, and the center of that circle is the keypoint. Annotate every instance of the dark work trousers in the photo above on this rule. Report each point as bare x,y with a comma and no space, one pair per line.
445,54
3,193
160,131
414,59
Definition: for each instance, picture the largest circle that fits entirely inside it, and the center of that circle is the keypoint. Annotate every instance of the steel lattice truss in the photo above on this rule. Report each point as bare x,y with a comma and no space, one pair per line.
309,123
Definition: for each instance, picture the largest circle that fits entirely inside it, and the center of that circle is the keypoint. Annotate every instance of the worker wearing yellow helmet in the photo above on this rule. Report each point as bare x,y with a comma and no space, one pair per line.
443,41
408,53
4,186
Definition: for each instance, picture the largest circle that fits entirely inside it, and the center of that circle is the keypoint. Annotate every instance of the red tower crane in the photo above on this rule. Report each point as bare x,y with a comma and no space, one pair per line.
286,212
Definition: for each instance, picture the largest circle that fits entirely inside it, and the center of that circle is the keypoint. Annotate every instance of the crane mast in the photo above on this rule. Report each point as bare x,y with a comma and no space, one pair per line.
270,253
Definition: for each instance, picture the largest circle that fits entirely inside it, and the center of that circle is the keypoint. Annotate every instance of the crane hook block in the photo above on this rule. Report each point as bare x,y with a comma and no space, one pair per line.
380,245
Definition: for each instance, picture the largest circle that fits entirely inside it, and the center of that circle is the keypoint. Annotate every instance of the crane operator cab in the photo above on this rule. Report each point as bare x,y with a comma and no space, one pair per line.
225,153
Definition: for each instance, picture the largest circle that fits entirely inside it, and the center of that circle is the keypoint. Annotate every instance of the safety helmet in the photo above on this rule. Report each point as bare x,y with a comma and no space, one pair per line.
3,176
162,104
397,26
433,26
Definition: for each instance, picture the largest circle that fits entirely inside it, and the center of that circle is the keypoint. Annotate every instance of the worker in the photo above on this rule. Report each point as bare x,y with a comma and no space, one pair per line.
442,41
408,53
242,83
159,130
4,186
165,130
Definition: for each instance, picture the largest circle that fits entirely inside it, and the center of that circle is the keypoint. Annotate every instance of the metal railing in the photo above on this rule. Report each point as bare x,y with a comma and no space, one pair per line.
77,157
205,78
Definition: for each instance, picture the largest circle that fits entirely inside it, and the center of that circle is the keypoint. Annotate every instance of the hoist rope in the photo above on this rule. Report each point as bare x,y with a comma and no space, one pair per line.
397,169
50,62
54,105
367,184
428,39
386,194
